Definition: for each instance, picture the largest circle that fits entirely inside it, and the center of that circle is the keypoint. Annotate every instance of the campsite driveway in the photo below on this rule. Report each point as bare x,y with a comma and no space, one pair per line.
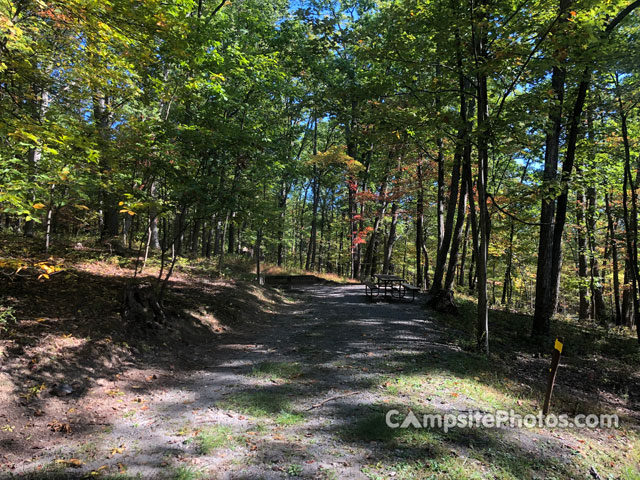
301,393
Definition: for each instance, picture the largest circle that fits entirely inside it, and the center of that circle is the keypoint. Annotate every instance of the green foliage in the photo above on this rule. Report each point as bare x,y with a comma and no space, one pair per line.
302,127
212,438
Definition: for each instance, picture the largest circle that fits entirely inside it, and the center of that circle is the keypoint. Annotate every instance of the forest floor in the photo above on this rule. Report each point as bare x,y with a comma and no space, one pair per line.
256,383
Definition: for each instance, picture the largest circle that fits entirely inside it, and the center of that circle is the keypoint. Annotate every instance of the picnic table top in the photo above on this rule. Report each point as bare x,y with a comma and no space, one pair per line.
385,278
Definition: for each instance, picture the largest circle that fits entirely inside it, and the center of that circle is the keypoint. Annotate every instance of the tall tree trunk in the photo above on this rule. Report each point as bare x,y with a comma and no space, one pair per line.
547,286
419,226
391,239
562,203
231,239
102,119
583,311
154,241
463,258
506,287
545,305
315,190
258,253
358,247
600,310
482,327
458,232
195,235
614,256
352,186
371,245
447,230
465,139
474,233
630,214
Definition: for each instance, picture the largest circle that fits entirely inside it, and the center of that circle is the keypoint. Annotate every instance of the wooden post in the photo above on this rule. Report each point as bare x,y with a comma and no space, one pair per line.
555,361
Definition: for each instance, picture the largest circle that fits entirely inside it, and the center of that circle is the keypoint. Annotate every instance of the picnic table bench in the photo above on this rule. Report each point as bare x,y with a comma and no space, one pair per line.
389,285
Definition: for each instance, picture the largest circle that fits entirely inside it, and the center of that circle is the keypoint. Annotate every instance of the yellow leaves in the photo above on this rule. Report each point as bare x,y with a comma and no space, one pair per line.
126,209
39,206
81,207
11,264
47,269
71,462
99,470
7,428
336,156
117,450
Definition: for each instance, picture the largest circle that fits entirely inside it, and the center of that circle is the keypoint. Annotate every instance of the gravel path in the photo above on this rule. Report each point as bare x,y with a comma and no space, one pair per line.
330,343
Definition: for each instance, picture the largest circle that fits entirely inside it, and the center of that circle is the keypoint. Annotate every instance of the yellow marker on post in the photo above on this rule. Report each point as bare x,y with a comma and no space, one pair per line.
558,345
555,361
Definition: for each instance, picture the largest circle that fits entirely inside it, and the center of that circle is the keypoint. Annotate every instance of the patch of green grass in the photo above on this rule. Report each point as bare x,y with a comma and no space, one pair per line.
460,453
289,418
294,470
217,436
257,404
445,468
184,472
7,315
277,370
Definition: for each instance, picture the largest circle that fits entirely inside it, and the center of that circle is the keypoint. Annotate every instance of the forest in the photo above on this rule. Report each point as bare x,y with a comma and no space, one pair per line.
489,145
488,151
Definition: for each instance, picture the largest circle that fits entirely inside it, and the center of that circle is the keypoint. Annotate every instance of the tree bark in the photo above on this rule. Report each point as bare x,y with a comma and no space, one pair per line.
630,214
102,119
599,308
583,311
391,239
419,226
614,256
371,245
482,326
315,190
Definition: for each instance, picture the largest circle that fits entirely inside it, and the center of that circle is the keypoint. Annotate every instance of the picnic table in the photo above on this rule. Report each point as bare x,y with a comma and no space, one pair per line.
389,285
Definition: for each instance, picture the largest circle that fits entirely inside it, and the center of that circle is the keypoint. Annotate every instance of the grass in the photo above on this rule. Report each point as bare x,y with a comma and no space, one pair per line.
294,470
212,438
457,454
289,418
184,472
277,370
258,404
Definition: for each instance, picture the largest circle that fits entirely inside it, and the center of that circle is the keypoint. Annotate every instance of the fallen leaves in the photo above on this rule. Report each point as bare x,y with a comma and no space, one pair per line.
71,462
60,427
117,450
